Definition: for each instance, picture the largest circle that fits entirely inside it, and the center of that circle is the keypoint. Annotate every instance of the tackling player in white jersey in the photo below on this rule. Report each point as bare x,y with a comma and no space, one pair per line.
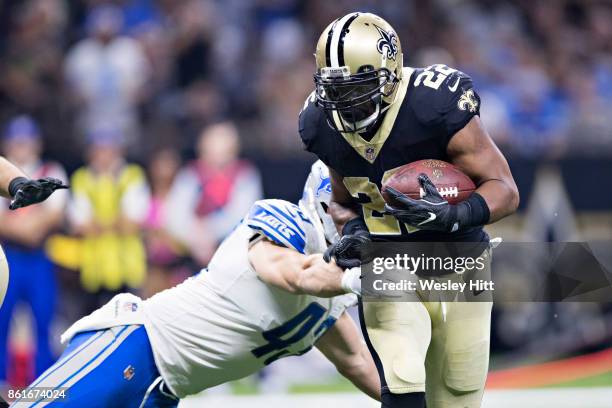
266,294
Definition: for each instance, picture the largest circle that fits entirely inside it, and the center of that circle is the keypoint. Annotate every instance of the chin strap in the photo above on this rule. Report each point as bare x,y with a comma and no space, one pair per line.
395,93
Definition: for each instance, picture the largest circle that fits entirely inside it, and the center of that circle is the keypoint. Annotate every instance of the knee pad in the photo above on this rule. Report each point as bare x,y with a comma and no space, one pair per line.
407,372
400,334
465,369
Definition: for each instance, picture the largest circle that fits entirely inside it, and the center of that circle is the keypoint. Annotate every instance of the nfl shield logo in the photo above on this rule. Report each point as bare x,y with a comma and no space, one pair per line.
369,153
129,372
130,307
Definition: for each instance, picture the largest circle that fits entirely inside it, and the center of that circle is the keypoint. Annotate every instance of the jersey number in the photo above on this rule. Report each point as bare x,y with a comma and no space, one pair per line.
433,76
292,331
372,202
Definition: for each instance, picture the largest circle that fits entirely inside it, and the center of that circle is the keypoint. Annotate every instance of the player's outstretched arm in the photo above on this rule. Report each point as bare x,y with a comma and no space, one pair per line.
343,346
8,173
294,272
474,152
24,191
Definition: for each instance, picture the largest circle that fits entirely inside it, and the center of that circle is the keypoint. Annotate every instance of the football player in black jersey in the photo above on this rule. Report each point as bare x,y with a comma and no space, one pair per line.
368,116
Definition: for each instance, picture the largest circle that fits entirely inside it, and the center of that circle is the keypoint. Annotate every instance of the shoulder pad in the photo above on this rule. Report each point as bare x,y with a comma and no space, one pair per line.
445,97
309,121
280,221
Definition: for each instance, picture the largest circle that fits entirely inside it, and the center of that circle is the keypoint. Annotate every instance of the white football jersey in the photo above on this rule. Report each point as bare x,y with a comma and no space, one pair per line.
226,323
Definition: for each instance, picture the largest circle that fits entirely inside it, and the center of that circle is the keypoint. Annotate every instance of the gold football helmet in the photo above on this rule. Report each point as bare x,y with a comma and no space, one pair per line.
359,63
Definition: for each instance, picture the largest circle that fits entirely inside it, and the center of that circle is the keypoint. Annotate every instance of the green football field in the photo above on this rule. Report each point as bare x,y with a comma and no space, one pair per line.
340,384
602,380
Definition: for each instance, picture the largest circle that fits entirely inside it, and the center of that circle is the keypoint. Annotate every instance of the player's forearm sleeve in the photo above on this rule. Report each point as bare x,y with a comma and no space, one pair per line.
355,226
351,281
473,212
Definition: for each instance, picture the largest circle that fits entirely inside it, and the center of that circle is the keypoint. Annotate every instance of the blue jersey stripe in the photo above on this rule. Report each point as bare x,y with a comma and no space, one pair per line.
270,233
296,242
280,212
284,215
278,223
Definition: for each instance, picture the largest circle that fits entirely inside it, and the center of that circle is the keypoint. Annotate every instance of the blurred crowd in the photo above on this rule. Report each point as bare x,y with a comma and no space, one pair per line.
121,228
147,106
156,71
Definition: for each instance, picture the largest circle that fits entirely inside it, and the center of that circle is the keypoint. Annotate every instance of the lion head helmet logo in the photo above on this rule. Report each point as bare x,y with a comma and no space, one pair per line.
324,186
387,43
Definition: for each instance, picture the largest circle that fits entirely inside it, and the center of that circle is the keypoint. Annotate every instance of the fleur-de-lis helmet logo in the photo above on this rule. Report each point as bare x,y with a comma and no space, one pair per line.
387,43
468,101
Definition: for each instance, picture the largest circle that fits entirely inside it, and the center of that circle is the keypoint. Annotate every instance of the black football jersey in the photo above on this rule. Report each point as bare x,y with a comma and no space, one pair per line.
432,104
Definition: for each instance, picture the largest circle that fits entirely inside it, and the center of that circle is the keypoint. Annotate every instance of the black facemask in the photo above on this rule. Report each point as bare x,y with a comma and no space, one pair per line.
354,98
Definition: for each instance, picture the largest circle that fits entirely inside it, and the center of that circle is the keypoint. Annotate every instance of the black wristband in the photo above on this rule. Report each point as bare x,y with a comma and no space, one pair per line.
355,226
15,184
473,212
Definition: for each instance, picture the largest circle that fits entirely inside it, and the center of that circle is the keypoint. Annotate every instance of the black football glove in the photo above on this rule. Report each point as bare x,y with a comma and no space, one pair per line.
431,212
347,252
26,192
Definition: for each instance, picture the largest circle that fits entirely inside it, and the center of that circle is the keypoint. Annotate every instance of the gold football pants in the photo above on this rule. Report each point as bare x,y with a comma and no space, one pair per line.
441,348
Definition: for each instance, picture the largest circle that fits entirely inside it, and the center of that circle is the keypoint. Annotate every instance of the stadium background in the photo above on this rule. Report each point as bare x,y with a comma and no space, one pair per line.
184,80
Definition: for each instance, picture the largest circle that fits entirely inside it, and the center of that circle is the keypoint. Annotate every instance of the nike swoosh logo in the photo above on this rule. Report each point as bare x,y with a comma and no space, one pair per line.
454,87
432,217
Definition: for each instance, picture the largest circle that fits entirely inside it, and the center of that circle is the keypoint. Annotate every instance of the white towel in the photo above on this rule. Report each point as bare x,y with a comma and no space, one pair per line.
123,309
